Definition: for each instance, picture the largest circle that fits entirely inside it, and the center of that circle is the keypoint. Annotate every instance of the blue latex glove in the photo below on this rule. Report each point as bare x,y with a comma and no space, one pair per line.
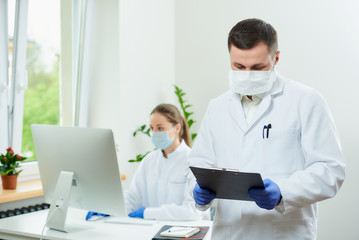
90,214
137,213
203,196
267,198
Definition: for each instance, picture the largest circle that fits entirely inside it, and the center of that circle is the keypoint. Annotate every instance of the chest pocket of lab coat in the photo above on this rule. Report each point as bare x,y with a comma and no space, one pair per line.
282,152
176,190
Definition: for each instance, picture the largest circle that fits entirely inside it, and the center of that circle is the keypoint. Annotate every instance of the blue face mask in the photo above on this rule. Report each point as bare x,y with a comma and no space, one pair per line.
161,139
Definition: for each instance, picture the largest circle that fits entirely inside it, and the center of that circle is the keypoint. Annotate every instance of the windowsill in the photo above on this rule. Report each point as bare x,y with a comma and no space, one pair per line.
24,190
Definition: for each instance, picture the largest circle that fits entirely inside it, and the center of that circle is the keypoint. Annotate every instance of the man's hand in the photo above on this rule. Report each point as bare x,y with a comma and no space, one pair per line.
267,198
202,196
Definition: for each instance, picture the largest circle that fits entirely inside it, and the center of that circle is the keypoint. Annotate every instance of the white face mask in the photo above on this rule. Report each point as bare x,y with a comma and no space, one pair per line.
161,139
251,82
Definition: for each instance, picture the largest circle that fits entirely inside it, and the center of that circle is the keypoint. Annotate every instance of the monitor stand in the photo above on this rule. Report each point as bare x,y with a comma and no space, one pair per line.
56,218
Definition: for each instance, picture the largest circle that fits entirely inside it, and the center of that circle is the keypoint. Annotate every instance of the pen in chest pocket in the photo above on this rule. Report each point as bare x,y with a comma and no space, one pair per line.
266,129
265,136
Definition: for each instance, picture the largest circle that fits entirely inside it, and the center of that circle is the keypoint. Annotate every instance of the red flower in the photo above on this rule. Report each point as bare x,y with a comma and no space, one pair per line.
18,157
11,152
5,158
9,149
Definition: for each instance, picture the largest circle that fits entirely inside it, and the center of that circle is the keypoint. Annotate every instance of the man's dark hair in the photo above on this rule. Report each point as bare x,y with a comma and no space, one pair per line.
250,32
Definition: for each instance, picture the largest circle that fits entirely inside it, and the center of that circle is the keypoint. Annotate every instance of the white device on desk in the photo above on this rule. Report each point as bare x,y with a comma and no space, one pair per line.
129,220
78,168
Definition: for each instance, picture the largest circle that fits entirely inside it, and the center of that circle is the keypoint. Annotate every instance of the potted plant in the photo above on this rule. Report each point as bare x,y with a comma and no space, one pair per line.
9,168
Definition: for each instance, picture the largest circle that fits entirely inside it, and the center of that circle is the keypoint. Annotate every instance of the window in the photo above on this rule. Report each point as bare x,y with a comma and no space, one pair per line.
30,56
41,101
29,73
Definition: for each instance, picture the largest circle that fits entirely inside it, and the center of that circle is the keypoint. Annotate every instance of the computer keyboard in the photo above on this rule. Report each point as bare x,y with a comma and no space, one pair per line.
129,220
23,210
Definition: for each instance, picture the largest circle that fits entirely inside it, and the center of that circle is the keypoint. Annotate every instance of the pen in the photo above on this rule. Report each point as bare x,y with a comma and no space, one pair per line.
269,127
266,127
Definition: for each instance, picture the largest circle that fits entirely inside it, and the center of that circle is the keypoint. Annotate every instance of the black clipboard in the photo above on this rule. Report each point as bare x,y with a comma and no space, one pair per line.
228,184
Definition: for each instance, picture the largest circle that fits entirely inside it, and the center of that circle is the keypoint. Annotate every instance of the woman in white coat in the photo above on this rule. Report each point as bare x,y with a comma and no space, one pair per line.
276,127
159,188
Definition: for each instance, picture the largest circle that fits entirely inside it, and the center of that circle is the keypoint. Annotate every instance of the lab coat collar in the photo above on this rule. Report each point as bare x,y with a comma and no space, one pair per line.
178,151
236,109
277,85
255,98
258,96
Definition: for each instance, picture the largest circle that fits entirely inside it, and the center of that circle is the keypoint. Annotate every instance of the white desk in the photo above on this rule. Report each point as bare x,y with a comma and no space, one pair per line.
29,226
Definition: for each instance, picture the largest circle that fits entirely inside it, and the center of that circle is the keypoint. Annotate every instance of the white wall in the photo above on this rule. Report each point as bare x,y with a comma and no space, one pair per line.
131,69
319,47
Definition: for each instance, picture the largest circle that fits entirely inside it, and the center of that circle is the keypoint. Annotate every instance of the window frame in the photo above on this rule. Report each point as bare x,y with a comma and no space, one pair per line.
12,93
4,75
18,76
18,86
72,16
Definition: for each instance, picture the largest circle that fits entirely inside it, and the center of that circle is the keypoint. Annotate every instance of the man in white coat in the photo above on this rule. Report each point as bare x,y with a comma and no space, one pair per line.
274,126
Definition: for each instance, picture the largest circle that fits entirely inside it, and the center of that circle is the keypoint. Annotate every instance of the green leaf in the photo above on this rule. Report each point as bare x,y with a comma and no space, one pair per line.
146,154
190,122
193,136
143,130
139,157
8,172
187,114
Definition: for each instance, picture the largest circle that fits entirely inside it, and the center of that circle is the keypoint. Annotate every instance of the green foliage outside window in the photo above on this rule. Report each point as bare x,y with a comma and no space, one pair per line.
41,103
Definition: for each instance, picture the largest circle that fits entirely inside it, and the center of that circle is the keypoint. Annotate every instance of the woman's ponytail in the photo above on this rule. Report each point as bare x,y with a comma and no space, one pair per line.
185,132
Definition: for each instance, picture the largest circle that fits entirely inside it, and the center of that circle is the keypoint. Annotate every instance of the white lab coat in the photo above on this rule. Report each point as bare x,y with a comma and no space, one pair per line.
160,185
302,155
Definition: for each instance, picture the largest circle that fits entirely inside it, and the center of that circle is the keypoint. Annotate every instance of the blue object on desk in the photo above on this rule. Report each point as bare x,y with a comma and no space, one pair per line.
137,213
90,214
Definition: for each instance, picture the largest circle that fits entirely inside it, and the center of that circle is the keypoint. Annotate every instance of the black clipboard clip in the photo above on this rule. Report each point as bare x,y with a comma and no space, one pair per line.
225,169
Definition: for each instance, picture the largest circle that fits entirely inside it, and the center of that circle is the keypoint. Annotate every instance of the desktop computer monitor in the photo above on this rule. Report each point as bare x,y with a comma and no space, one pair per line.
78,168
